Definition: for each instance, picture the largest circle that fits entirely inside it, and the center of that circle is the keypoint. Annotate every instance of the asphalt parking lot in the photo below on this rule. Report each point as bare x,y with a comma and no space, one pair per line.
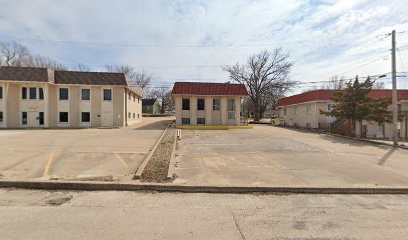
273,156
77,154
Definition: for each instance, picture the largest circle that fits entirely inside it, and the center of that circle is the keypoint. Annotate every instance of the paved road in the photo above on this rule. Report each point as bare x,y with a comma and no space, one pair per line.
77,153
26,214
272,156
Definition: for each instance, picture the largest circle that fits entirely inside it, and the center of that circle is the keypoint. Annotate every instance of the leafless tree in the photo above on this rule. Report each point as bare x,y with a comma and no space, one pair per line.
141,78
165,98
336,83
82,68
262,73
14,54
45,62
378,85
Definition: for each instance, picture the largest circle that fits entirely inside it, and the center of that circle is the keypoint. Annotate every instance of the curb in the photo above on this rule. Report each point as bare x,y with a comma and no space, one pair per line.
142,166
103,186
172,162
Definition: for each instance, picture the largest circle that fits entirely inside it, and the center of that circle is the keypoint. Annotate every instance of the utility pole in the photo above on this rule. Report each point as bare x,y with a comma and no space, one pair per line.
394,91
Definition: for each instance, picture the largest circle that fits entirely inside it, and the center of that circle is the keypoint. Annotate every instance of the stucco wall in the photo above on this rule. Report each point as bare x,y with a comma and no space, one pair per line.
118,106
217,117
134,107
74,106
13,105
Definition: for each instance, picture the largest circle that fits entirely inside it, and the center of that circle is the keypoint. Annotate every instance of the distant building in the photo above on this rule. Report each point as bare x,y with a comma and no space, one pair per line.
303,110
43,98
150,106
208,103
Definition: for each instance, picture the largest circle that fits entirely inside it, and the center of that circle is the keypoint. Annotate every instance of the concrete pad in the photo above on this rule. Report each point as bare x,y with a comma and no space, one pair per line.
77,153
272,156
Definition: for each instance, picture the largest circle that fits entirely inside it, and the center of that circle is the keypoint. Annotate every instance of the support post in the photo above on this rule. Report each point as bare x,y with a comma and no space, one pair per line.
394,91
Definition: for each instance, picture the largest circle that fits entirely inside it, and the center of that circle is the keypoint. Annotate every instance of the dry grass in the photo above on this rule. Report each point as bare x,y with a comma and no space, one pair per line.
158,166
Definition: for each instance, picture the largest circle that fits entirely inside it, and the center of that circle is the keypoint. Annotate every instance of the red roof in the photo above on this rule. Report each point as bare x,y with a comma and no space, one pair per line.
324,95
211,89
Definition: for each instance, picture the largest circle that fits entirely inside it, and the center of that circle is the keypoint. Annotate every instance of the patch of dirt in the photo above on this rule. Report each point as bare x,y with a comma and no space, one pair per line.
59,201
158,166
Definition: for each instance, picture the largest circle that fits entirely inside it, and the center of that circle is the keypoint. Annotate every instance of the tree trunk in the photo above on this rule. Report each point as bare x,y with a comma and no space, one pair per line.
353,128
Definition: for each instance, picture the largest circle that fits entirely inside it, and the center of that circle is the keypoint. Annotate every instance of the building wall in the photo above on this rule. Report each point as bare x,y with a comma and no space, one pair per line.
119,95
3,107
13,105
314,119
110,113
212,117
96,108
134,107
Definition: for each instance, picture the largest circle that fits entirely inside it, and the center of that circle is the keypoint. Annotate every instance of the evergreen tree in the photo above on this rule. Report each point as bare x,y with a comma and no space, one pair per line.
354,104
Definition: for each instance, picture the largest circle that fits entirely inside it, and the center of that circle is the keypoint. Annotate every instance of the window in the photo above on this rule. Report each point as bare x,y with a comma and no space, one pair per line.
33,93
216,104
329,107
295,110
231,104
85,117
129,115
284,111
63,94
309,108
130,96
186,104
201,121
1,92
1,116
107,94
41,93
63,117
134,115
85,94
231,108
185,121
138,115
134,98
24,93
24,118
41,118
399,107
200,104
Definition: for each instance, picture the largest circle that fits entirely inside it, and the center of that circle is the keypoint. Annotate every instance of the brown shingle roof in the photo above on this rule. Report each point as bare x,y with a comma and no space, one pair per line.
212,89
24,74
90,78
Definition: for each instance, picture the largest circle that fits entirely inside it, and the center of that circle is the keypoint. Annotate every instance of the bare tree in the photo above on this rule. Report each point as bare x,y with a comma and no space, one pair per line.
141,78
165,98
14,54
378,85
82,68
45,62
336,83
262,73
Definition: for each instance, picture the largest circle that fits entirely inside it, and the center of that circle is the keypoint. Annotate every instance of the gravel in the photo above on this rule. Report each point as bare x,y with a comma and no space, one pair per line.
158,166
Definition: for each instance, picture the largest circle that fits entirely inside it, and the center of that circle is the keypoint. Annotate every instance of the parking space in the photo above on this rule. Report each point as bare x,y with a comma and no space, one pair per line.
77,154
272,156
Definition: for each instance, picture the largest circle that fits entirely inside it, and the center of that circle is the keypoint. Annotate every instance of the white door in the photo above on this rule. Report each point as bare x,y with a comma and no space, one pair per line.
107,119
33,119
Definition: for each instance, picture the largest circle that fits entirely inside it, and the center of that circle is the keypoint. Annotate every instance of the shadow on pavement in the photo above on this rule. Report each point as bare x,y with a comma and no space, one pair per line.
386,156
353,142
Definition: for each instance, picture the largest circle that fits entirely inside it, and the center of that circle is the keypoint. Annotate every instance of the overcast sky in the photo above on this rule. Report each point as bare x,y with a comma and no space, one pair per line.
190,40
